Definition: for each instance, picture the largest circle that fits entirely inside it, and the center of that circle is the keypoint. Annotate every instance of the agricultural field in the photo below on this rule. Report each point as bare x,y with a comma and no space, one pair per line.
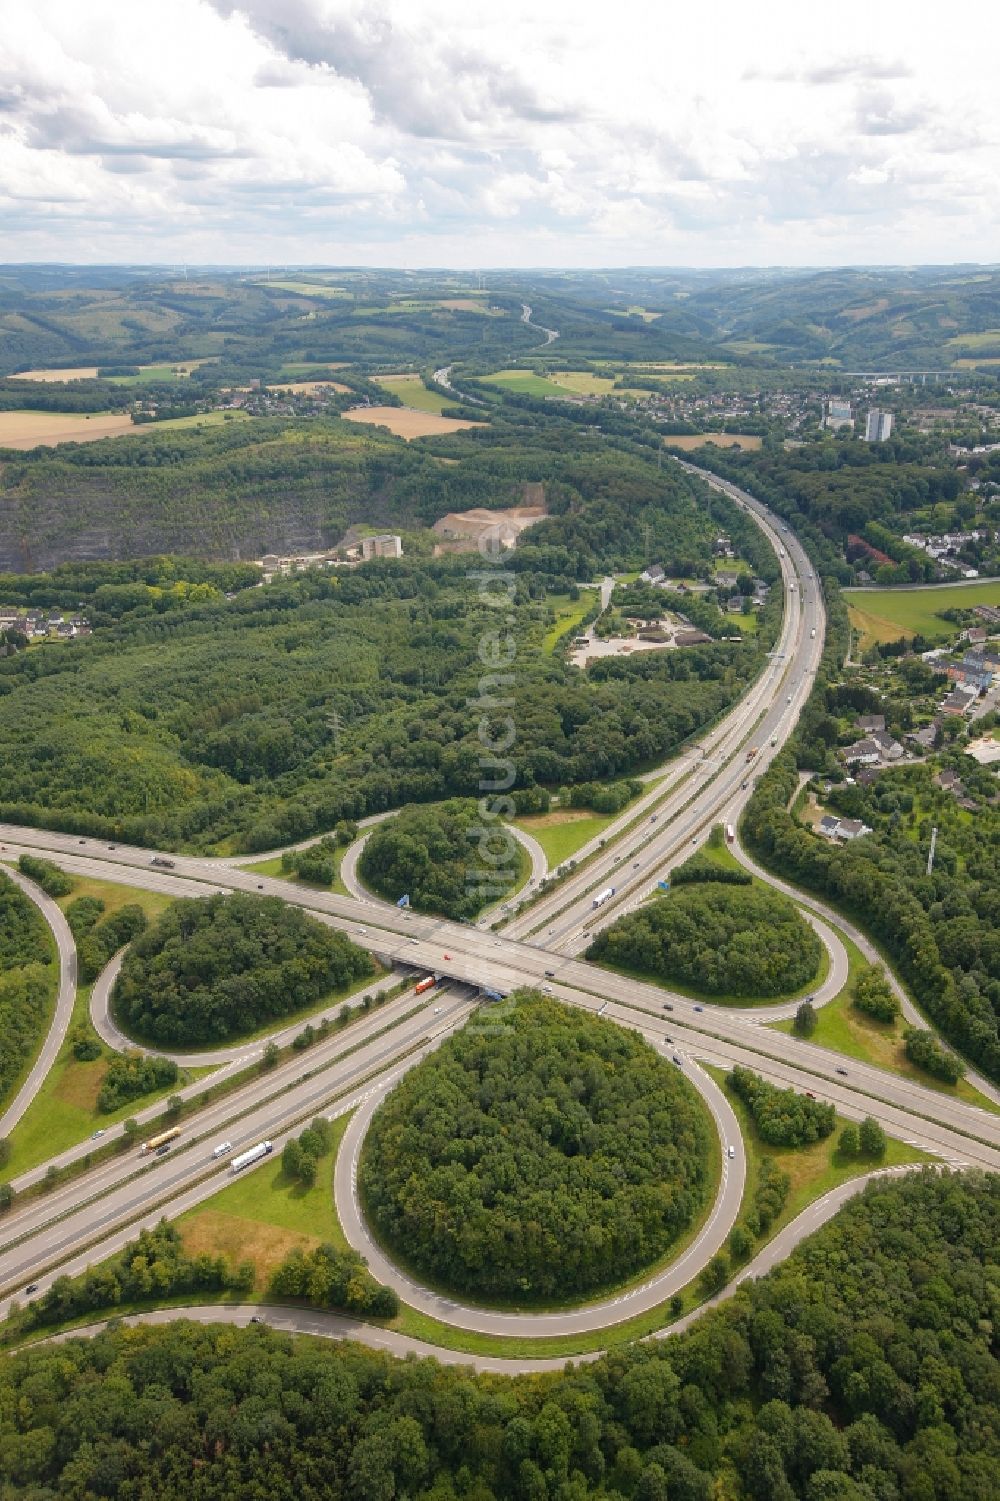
559,383
408,423
309,387
887,614
634,312
35,429
303,371
309,288
413,393
78,372
523,382
687,441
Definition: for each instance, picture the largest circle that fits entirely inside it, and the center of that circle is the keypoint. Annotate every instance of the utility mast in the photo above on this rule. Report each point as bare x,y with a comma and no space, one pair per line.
930,857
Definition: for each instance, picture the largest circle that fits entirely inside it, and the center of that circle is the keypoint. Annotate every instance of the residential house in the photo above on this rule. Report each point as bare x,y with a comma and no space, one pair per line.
889,749
653,574
950,781
832,827
925,738
959,701
852,828
870,722
691,638
862,753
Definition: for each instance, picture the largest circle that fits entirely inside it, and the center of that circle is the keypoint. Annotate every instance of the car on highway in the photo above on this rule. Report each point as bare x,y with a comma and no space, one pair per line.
437,1010
677,1059
96,1134
112,846
447,956
81,841
32,1287
546,989
732,1151
260,885
810,1095
255,1318
162,1151
222,1149
699,1008
842,1071
667,1006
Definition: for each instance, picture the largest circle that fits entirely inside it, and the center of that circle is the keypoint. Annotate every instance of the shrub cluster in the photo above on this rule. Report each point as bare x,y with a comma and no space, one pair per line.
328,1278
131,1075
150,1268
783,1117
874,995
923,1049
53,881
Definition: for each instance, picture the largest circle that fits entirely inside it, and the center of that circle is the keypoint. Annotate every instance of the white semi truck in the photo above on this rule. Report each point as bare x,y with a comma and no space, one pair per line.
248,1158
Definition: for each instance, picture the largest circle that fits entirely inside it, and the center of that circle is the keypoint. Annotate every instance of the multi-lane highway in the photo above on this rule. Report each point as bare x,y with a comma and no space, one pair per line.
92,1215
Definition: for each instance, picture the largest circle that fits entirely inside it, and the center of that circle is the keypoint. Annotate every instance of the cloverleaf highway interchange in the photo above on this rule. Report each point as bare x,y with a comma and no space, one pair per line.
94,1212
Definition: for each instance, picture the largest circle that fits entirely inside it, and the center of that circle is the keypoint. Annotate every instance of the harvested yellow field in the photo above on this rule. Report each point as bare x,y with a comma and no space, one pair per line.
308,387
721,440
32,429
79,372
462,304
408,423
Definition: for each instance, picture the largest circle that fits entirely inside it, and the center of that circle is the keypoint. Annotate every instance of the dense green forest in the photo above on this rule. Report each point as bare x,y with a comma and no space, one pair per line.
722,938
537,1154
278,713
214,968
28,979
862,1369
444,858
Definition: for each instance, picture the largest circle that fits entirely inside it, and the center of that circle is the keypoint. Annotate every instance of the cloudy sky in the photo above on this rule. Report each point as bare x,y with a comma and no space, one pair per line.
454,132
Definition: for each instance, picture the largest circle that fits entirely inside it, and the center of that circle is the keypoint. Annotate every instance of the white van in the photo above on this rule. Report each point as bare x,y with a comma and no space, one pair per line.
222,1149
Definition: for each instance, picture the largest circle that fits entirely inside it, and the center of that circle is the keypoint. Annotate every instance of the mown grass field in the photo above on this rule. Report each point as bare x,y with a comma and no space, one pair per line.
563,831
413,393
525,382
888,614
568,613
264,1214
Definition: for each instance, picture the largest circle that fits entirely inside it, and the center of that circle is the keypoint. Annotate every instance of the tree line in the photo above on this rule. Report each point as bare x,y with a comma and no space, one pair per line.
28,979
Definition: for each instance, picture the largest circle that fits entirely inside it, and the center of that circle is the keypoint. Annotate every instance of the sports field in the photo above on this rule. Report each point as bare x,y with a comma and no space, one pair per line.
888,614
